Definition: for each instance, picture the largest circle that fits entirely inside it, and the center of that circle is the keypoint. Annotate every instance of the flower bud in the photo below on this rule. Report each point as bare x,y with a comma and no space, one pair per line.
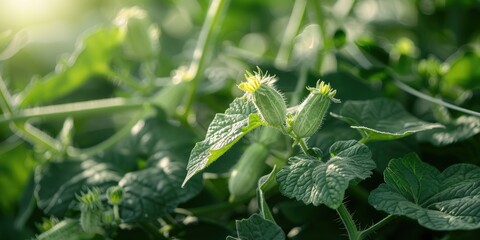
267,100
115,195
313,109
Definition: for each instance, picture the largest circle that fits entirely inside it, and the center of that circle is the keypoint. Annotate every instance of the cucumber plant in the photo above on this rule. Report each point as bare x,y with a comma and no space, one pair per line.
244,120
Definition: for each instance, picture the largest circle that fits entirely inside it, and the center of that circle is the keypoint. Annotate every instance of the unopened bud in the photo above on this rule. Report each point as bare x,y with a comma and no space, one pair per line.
313,109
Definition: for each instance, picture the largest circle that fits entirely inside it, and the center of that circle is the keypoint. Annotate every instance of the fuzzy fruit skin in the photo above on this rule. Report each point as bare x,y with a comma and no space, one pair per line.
312,111
270,105
310,117
246,172
66,229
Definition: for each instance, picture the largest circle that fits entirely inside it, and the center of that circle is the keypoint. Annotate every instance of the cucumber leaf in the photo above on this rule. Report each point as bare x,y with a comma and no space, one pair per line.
155,191
313,181
448,200
381,119
257,228
224,131
460,129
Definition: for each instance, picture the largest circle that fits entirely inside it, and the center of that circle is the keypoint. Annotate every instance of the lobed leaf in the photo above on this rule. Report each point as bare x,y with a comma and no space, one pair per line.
224,131
316,182
258,228
448,200
381,119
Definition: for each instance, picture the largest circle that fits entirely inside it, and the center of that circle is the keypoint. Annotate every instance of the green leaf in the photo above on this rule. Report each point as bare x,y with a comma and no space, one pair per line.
92,56
381,119
462,128
154,192
313,181
224,131
448,200
258,228
263,184
57,183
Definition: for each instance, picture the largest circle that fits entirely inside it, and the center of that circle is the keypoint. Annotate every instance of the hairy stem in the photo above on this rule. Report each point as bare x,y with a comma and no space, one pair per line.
347,220
302,145
363,234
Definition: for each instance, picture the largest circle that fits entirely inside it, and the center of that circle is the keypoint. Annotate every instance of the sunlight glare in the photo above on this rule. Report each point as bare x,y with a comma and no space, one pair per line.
21,13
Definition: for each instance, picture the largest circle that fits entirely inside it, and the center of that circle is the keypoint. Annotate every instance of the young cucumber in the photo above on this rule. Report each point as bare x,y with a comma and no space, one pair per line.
245,174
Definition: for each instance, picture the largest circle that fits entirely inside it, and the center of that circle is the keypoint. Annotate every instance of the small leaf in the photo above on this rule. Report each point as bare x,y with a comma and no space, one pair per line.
224,131
313,181
381,119
263,184
448,200
155,191
258,228
462,128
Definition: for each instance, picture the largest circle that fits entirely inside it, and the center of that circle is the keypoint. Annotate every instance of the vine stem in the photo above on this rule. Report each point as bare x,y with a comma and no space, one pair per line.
125,130
320,19
363,234
292,29
302,145
347,220
423,96
79,108
205,40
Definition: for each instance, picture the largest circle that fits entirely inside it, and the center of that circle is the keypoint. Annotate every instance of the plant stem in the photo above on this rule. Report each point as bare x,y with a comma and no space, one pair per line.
75,152
421,95
346,217
363,234
205,40
79,108
302,145
5,98
36,137
320,19
302,81
152,230
290,32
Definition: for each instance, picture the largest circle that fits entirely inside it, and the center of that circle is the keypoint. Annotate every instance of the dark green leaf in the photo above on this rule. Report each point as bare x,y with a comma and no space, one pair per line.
155,191
381,119
447,200
57,183
313,181
224,131
258,228
462,128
